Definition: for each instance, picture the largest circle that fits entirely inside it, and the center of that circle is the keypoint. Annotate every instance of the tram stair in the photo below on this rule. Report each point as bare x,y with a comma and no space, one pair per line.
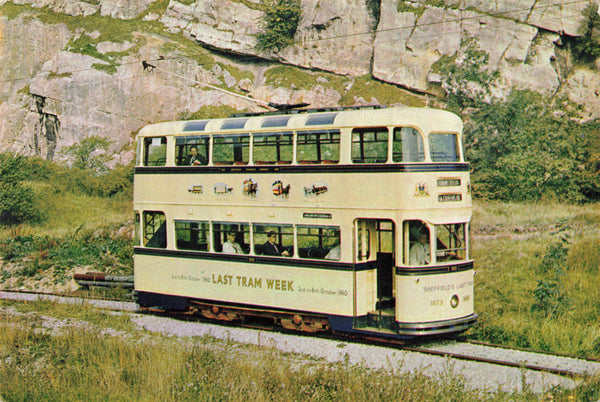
383,320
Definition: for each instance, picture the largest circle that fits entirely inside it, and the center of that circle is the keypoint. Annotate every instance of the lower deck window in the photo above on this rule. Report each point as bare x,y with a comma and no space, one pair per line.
192,235
274,240
231,238
136,229
155,229
319,242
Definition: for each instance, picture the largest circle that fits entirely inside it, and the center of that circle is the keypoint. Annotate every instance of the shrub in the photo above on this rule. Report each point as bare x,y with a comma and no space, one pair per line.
549,295
90,154
586,47
18,203
279,25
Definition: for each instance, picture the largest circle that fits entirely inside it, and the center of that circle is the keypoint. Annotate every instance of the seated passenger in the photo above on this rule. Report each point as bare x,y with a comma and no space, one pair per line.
271,247
195,158
419,252
231,246
334,253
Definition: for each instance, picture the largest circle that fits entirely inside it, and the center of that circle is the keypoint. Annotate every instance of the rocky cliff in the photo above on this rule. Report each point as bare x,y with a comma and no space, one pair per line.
72,68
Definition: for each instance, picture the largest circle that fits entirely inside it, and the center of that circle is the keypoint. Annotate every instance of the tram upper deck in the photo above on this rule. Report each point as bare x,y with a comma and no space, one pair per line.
381,158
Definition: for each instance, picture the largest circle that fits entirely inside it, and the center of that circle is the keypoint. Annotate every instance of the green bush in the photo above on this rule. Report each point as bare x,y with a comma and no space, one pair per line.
586,48
18,203
279,25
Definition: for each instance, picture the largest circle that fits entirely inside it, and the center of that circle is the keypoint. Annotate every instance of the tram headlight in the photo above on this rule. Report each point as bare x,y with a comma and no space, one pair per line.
454,301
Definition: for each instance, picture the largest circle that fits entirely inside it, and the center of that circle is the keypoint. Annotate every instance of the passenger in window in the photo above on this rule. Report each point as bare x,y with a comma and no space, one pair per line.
195,159
419,252
334,253
271,247
231,246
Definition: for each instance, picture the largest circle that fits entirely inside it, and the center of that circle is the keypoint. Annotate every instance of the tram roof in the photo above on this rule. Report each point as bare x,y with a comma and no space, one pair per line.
427,119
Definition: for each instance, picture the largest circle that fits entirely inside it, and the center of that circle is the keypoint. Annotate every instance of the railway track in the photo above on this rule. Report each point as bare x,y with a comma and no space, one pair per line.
573,367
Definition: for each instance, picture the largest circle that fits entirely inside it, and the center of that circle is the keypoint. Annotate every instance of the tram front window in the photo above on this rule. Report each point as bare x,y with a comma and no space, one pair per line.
443,147
417,236
155,151
451,242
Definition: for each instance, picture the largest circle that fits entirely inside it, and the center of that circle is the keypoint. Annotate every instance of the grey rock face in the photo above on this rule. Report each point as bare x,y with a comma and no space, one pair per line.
54,94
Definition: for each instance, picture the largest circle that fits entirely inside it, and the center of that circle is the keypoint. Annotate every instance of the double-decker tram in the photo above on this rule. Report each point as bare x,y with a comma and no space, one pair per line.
349,220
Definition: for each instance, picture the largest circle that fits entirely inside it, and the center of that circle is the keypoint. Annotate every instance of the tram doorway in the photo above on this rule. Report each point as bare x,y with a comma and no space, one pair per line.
375,253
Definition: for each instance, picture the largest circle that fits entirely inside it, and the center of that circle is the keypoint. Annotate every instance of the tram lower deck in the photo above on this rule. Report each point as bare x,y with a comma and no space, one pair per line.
339,297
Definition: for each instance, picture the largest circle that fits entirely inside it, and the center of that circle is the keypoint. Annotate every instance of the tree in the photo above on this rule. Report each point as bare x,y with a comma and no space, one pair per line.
91,154
526,149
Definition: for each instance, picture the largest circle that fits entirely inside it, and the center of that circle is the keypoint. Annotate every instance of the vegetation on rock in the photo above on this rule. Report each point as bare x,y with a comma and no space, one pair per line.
279,25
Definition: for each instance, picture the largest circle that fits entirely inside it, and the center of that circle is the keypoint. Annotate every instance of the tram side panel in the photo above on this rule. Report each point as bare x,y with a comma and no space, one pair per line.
275,286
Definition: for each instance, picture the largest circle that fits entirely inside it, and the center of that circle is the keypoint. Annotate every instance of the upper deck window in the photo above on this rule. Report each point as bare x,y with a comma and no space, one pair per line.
320,119
191,151
444,147
199,125
273,148
233,124
279,121
408,145
155,151
370,145
319,146
231,149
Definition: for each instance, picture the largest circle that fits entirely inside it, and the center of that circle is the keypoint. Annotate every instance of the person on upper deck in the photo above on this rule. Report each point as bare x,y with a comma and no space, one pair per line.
195,159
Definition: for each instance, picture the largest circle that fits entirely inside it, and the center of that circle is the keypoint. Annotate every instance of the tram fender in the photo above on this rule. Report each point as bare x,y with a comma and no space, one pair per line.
167,302
341,323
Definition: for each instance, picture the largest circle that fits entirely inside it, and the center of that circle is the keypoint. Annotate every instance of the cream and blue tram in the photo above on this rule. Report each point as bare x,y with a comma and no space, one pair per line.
350,220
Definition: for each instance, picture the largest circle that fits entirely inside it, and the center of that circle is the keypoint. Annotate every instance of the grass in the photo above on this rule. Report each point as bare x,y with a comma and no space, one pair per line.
66,355
509,246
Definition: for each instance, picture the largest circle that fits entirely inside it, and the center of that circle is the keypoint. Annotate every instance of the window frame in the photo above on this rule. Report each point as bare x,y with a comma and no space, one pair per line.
420,151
